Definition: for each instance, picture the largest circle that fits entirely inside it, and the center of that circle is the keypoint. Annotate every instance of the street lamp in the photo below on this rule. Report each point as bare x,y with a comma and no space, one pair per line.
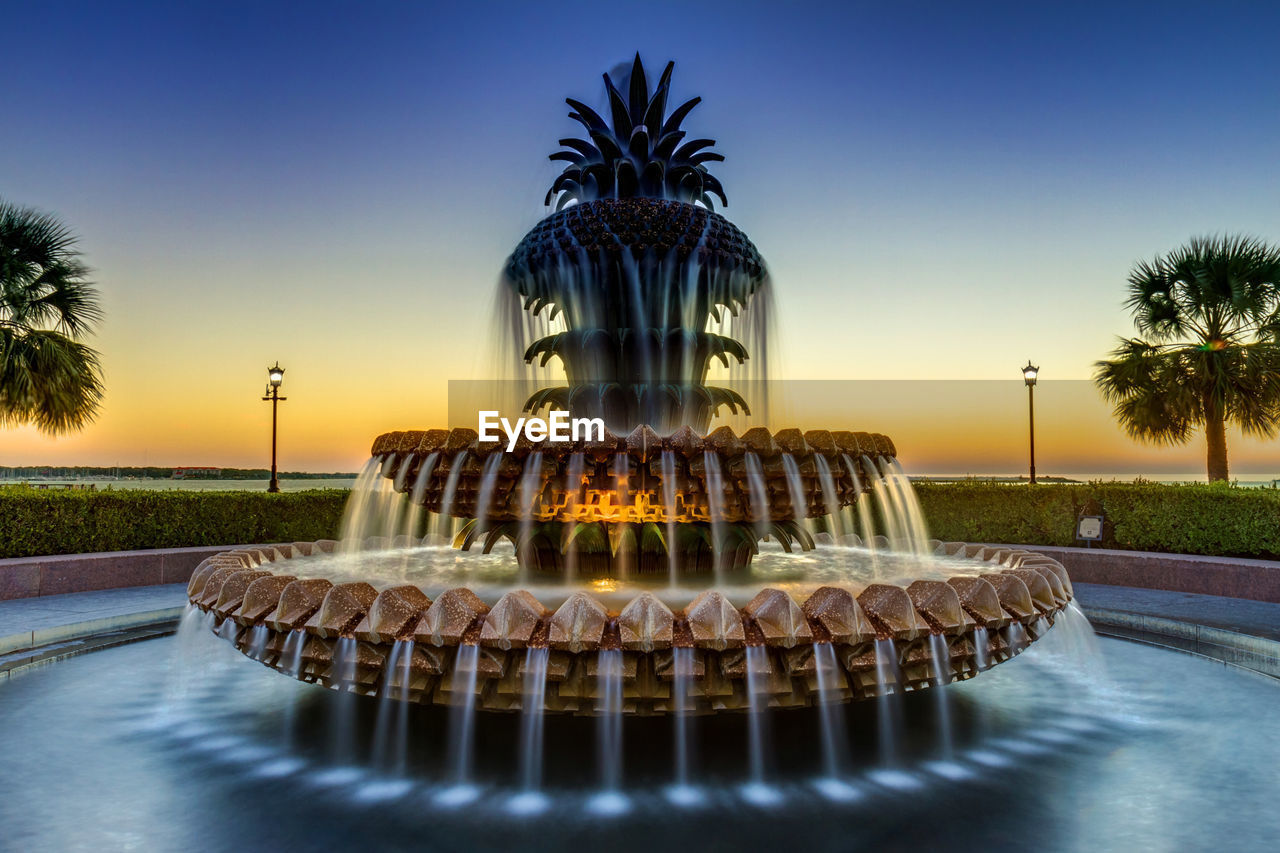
1029,374
275,376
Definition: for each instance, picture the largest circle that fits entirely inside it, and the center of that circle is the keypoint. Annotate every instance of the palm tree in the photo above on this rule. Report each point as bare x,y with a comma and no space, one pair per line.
1209,353
48,376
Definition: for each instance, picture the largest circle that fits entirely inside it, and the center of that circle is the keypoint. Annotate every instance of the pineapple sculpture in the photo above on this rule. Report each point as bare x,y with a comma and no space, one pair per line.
634,264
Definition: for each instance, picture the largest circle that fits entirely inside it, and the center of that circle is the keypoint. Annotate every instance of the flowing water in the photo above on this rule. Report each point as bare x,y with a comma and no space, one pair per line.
759,493
889,681
669,507
391,736
533,700
462,714
835,745
889,513
488,478
829,498
940,672
795,488
715,508
610,799
341,723
450,492
1046,752
258,636
681,685
757,716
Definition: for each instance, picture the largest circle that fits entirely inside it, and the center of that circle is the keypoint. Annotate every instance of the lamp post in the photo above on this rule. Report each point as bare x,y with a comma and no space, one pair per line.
1029,374
275,376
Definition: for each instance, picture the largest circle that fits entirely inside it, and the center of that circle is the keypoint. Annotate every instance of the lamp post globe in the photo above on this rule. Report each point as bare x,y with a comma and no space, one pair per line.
1029,375
275,377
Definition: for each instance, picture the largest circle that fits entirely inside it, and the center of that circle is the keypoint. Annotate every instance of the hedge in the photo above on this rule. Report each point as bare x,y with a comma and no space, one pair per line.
37,521
1218,520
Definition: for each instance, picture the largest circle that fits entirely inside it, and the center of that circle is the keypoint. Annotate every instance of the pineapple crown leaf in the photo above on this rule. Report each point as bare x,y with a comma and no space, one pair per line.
638,151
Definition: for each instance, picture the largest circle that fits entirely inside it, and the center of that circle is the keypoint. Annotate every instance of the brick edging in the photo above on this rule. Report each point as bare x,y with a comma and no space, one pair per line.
58,574
1233,577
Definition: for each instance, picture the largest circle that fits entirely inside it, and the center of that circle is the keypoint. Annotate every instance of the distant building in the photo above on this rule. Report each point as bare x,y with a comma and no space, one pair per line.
184,473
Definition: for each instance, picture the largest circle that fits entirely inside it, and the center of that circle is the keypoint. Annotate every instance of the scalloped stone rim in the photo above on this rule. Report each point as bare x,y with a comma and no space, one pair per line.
1003,609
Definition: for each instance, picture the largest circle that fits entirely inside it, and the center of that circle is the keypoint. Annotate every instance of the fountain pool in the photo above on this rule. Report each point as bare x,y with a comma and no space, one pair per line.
185,743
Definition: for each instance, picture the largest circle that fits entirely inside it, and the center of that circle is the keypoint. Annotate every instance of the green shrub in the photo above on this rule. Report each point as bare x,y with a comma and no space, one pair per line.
1218,519
37,521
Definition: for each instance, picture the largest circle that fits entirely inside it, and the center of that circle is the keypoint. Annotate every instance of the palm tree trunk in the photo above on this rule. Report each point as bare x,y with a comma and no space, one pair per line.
1215,434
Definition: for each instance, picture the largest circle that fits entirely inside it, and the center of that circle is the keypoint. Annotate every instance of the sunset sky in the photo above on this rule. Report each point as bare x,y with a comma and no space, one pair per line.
942,191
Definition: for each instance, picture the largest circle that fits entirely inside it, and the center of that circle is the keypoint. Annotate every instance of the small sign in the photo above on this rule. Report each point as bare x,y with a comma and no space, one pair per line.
1089,528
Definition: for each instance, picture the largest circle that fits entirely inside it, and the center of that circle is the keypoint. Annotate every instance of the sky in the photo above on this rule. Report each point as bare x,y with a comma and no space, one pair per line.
941,192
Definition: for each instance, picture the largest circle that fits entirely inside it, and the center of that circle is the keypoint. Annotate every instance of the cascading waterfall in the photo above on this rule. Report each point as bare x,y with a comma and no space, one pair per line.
795,488
940,663
757,669
1077,637
530,480
683,664
668,462
402,473
462,714
488,478
981,642
835,745
829,498
227,630
866,526
293,651
390,743
342,721
888,506
759,493
192,630
533,700
367,485
292,655
715,508
610,719
450,492
1016,637
888,701
574,474
916,529
258,636
413,521
392,511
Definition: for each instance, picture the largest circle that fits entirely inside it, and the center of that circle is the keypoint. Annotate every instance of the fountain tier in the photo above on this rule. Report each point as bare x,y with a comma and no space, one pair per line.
1010,598
715,496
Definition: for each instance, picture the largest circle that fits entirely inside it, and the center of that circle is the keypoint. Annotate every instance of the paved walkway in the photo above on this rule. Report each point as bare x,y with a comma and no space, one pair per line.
1255,618
27,623
1237,631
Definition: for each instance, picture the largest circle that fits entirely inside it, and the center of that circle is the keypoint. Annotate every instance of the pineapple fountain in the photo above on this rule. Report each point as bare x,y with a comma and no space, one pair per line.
660,566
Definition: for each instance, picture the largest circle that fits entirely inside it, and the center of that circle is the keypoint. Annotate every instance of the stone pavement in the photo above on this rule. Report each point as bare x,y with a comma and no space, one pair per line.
1258,618
28,623
1238,631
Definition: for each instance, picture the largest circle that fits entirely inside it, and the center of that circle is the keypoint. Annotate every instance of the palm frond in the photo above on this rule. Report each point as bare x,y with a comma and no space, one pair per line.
47,376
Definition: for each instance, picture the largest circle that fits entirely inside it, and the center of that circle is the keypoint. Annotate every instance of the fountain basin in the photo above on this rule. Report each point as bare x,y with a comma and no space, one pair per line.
542,471
342,635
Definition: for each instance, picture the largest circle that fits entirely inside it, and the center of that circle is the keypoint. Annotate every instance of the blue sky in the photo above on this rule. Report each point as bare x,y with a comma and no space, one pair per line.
941,190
